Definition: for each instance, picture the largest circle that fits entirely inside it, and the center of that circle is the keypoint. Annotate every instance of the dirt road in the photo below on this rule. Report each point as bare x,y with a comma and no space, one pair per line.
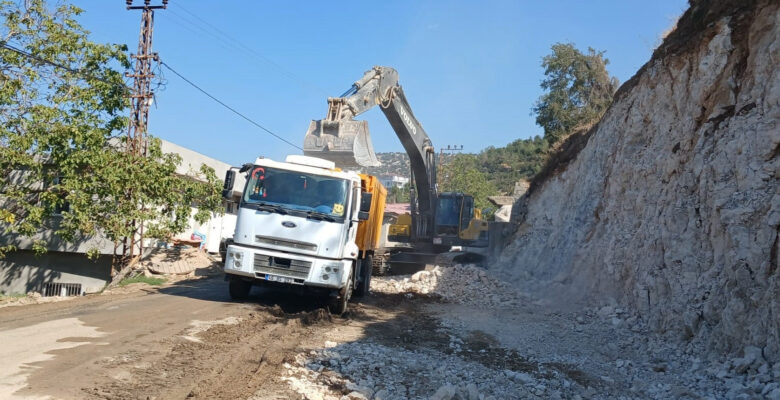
189,340
171,342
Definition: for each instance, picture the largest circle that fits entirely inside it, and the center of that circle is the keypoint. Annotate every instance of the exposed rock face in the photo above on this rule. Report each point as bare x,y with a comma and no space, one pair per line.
673,205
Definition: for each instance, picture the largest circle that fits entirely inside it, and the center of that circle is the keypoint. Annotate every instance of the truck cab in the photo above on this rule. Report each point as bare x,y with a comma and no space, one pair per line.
298,226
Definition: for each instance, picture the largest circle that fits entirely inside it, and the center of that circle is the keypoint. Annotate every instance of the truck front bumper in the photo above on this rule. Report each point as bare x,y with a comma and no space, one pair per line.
290,268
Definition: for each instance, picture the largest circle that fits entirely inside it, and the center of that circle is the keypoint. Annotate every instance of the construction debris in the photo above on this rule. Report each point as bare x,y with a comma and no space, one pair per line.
461,284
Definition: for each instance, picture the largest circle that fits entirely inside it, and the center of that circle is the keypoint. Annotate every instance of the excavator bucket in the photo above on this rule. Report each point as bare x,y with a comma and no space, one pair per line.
345,142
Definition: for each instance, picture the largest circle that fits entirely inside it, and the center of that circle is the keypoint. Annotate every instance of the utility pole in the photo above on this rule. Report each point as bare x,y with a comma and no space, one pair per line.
142,95
140,99
450,149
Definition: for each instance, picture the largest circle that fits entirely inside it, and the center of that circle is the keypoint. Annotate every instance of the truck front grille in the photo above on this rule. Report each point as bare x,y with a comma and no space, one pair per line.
281,266
286,243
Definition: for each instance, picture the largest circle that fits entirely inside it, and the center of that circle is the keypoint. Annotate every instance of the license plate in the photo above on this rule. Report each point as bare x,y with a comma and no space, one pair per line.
282,279
436,240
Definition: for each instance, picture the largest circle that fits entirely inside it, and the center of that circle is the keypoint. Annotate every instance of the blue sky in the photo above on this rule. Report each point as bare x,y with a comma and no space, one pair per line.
470,69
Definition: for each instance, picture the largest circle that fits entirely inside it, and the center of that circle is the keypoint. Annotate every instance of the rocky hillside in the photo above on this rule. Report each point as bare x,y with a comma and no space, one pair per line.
392,164
670,205
396,163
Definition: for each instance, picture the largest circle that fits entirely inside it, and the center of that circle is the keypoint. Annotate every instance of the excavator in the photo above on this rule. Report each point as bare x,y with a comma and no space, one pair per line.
437,221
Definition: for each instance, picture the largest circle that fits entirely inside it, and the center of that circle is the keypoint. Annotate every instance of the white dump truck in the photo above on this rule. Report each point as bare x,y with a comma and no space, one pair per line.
304,224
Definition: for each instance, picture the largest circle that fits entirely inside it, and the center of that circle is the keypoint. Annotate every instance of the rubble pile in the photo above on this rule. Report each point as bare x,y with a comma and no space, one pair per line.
659,368
461,284
361,370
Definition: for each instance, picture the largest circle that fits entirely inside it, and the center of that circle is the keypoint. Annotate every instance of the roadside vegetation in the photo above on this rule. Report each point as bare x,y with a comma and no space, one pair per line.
149,280
63,124
578,90
11,296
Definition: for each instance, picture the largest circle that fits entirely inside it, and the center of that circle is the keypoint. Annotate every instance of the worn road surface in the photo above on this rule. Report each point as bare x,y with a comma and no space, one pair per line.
154,343
188,340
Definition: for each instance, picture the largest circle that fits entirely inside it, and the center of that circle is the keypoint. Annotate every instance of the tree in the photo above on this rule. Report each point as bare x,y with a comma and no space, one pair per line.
578,90
521,159
398,194
461,174
62,102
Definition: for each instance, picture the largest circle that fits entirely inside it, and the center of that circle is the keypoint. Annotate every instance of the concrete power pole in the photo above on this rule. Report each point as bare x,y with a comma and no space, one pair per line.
140,99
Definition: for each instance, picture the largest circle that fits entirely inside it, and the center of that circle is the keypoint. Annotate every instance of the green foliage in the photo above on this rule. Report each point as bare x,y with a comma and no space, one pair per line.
461,174
142,279
11,296
519,160
61,148
398,194
578,90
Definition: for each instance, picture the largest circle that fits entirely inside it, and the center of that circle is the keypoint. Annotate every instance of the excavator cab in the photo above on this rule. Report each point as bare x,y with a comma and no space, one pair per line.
458,223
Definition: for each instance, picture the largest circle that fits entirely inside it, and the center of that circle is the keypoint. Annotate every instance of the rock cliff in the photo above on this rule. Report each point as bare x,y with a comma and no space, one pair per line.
672,204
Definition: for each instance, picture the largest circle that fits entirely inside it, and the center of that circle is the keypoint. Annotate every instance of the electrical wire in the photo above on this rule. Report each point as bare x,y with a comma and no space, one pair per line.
228,107
239,46
89,76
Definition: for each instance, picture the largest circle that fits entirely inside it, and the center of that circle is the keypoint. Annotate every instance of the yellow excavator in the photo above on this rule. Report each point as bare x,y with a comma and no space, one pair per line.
437,221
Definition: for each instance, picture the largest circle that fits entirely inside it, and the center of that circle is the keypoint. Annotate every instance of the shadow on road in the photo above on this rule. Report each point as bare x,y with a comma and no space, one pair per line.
215,288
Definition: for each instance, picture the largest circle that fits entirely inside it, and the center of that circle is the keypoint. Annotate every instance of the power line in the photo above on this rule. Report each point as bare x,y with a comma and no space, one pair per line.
58,65
239,46
228,107
89,76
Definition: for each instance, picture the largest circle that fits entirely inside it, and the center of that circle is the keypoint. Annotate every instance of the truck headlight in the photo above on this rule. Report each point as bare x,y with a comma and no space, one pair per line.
332,267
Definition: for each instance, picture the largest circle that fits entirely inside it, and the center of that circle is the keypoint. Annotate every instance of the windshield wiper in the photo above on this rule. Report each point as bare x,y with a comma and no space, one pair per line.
271,208
319,216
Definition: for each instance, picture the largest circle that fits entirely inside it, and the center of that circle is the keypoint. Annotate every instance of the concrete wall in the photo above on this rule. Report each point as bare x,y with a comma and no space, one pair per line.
22,271
192,160
217,227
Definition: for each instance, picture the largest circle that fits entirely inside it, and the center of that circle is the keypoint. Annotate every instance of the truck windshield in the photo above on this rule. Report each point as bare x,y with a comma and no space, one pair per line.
295,191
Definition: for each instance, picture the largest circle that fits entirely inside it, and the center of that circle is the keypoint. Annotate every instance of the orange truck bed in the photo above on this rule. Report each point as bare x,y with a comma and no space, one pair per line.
369,231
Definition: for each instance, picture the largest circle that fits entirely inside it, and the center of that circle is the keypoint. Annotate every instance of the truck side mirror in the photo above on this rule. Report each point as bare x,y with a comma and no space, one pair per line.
363,215
365,202
227,188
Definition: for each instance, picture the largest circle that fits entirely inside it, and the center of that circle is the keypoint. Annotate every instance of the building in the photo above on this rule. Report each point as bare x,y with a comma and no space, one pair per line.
219,226
390,181
504,204
65,265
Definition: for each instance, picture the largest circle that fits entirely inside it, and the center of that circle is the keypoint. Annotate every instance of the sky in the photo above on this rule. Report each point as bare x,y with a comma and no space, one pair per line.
470,69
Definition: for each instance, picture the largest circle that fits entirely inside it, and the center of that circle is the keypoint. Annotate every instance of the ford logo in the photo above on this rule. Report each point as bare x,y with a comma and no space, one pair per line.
288,224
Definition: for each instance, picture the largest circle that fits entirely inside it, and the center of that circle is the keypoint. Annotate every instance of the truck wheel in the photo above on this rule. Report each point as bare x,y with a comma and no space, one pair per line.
366,267
338,304
239,288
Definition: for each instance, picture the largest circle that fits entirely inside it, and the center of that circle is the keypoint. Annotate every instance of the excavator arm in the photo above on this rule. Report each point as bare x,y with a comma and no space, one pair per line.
347,142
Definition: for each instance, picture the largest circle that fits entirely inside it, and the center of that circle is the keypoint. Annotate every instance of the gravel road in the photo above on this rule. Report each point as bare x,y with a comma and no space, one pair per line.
444,334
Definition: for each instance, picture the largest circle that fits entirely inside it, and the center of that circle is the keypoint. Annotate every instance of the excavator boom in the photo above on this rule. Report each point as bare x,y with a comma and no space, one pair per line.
347,142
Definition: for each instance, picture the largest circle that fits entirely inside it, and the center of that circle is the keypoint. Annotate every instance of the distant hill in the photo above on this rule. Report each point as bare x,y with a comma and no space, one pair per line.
395,164
392,164
519,160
